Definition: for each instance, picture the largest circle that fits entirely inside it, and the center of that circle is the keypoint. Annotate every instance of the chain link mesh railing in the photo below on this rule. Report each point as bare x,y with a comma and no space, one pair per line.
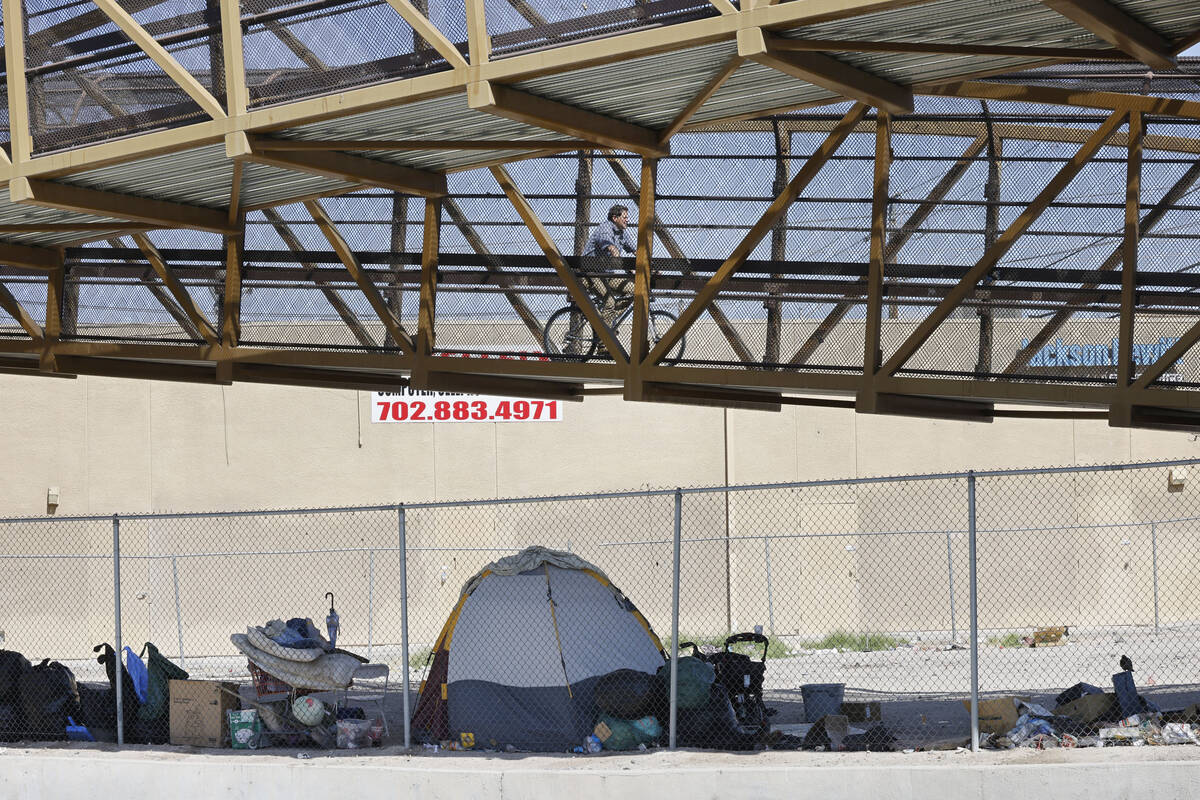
866,614
962,171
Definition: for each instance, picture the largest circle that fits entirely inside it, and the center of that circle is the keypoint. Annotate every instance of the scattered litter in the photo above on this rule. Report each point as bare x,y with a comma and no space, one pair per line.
303,756
1086,716
1049,637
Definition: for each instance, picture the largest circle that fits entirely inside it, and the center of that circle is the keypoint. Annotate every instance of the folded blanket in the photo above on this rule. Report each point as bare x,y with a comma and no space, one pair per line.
258,637
328,672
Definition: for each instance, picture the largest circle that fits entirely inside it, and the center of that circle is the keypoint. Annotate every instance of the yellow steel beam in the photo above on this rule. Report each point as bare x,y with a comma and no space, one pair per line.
532,323
237,96
353,169
504,101
426,29
55,282
427,302
334,299
66,197
639,345
675,251
42,259
175,71
1155,215
478,41
231,300
163,296
330,231
1117,28
893,246
176,288
1108,101
574,288
1129,245
942,48
15,310
20,139
1120,411
1003,244
761,228
702,97
872,355
361,145
828,73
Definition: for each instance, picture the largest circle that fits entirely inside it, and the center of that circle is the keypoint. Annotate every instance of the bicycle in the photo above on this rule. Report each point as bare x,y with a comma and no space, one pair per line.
568,333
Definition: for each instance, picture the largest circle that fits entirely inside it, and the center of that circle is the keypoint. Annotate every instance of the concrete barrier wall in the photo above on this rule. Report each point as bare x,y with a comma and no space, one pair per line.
1110,774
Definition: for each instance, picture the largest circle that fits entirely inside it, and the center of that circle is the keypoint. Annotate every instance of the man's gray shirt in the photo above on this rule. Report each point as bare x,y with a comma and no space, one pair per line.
607,234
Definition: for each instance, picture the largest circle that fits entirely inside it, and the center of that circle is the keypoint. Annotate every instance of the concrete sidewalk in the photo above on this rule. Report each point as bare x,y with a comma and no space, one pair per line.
70,771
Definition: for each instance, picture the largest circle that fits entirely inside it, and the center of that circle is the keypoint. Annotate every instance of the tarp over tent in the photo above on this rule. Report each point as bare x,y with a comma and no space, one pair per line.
517,660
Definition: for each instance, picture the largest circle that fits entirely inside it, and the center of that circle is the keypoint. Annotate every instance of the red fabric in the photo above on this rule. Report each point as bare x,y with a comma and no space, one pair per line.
432,714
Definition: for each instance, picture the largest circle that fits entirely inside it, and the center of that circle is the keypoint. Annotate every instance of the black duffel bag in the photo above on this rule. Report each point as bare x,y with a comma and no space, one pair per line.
11,724
626,693
12,666
48,695
714,726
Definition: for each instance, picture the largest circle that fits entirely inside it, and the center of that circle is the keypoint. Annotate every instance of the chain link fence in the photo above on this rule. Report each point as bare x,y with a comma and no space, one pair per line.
867,613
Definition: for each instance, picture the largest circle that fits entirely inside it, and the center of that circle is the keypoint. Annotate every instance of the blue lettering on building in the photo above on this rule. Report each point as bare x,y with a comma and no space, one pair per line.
1096,355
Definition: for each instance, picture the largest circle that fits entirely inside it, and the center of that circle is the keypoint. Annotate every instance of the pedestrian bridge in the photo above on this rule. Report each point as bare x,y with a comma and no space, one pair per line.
930,207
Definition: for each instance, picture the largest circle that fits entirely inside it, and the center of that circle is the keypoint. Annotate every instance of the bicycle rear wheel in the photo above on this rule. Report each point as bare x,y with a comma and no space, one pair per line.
568,333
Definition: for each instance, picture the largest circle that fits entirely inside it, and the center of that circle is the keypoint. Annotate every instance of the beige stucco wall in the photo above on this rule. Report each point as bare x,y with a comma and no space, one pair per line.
135,446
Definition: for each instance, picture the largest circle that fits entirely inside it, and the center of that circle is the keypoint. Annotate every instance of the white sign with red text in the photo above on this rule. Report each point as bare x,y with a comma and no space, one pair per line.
410,405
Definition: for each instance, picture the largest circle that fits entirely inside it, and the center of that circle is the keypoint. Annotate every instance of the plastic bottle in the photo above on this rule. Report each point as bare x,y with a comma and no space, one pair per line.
592,744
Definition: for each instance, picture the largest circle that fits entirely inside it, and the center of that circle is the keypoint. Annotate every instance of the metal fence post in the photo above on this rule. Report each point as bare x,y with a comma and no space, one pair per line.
178,613
675,616
770,589
950,569
370,602
1154,567
116,528
404,623
973,579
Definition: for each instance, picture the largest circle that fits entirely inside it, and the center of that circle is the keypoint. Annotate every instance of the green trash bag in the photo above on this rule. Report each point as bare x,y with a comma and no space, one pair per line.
158,689
695,678
626,734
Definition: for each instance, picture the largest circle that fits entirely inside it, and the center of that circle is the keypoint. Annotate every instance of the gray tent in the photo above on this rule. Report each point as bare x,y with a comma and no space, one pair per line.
518,659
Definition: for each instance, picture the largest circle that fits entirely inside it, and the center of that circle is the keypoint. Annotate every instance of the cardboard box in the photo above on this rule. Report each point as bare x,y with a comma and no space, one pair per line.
1088,708
999,714
199,712
870,712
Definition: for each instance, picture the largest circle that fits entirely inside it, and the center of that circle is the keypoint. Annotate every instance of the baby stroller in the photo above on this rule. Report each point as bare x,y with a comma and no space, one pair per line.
742,679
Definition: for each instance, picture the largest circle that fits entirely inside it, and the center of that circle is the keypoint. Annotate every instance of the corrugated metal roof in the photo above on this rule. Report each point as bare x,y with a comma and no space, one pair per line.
1171,18
959,22
754,88
437,119
262,184
648,91
54,238
25,214
202,177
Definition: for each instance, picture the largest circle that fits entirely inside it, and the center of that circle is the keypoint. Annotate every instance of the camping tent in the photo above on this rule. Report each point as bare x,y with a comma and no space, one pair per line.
517,661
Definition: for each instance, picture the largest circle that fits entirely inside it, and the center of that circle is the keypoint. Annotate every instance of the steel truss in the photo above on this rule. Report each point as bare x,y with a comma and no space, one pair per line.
931,336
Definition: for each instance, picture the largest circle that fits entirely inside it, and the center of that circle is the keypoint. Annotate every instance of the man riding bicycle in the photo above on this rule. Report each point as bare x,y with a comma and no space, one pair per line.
607,243
567,331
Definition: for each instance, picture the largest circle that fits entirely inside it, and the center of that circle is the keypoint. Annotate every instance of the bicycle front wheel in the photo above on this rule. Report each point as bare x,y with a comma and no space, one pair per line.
656,327
567,333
